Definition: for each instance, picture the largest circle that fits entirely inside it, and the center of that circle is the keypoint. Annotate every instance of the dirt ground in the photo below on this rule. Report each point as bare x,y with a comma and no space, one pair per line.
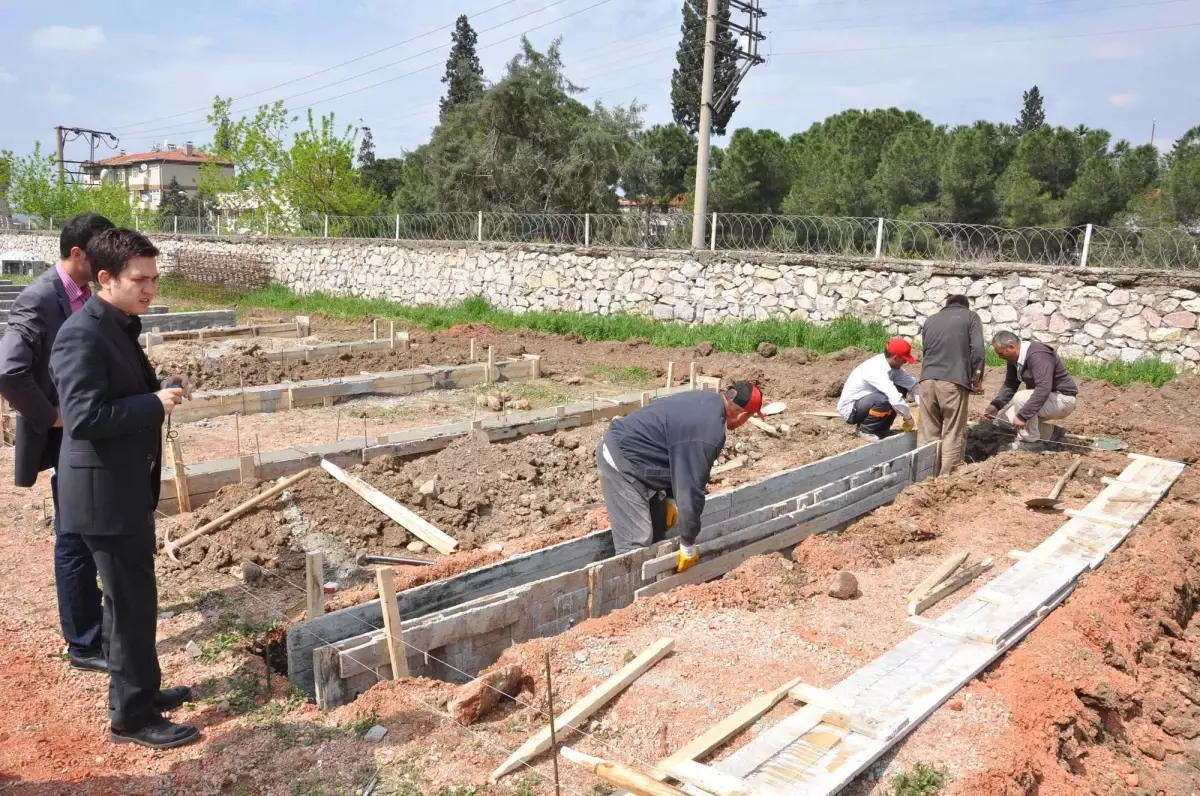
1103,697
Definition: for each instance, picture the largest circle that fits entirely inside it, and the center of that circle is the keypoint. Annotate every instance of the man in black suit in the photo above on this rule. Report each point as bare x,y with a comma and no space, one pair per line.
33,324
109,469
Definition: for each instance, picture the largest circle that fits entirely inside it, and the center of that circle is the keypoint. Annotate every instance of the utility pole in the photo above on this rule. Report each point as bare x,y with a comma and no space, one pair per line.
58,149
747,53
64,135
1153,125
700,206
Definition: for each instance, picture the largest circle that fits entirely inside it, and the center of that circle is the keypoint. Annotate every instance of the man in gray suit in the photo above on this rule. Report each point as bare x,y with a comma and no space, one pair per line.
33,323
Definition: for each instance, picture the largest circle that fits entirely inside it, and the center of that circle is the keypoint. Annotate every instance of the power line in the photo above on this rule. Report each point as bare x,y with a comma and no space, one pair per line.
155,133
328,68
975,42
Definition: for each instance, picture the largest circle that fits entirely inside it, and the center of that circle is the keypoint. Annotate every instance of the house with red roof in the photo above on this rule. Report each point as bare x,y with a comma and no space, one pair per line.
146,175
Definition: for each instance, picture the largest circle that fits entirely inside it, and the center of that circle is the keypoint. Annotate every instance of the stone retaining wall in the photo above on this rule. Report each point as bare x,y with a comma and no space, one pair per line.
1093,313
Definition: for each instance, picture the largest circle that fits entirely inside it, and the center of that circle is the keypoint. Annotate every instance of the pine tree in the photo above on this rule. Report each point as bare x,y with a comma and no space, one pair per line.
464,75
687,78
366,151
175,201
1033,115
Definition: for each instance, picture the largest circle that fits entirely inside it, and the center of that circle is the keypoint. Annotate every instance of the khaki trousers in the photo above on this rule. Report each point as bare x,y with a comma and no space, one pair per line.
944,417
1057,407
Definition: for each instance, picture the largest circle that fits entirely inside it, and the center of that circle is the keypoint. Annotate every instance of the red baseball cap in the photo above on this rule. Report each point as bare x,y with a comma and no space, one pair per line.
899,347
748,396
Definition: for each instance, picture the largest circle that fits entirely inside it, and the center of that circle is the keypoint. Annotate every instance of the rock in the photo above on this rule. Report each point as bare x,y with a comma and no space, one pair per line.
520,405
767,350
1081,309
1131,780
166,615
635,342
451,499
798,355
431,488
573,380
475,699
1180,320
844,585
1152,749
416,546
493,403
375,734
581,656
251,572
705,349
1118,298
193,649
955,704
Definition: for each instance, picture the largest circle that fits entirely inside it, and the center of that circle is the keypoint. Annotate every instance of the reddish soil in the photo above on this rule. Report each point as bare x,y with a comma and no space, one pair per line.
1103,697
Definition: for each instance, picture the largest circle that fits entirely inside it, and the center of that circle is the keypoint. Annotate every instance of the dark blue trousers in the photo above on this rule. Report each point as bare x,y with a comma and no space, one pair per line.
80,603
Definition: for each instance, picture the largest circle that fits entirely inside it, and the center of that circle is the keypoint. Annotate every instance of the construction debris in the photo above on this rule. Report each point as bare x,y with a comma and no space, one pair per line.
474,700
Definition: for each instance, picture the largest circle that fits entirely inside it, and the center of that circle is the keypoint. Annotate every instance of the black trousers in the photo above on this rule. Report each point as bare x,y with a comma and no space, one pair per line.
79,602
873,413
126,565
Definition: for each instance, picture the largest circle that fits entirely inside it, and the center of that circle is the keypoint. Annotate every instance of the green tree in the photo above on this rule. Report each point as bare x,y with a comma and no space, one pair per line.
1033,115
35,190
671,157
254,146
907,176
6,159
464,75
755,174
176,202
1181,184
687,78
319,175
975,157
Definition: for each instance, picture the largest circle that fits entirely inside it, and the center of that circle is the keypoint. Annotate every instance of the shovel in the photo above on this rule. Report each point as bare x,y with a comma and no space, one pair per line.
1051,501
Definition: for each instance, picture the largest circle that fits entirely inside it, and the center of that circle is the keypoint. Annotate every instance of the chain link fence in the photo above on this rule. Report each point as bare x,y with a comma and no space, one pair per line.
877,238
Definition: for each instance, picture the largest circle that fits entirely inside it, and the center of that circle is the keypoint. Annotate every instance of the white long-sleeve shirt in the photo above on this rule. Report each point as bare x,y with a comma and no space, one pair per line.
876,375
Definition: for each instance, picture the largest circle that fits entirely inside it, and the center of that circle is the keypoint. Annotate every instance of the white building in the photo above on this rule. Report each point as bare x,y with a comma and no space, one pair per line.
147,175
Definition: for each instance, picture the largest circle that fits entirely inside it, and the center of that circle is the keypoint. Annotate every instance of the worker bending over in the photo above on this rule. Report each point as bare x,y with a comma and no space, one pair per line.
874,392
1049,394
656,462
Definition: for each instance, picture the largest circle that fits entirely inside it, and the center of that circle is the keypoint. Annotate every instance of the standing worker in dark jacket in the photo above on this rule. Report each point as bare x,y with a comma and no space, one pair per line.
1050,392
33,323
668,449
113,408
951,367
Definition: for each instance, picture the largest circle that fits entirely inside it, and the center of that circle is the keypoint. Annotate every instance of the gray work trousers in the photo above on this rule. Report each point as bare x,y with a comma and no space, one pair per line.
637,513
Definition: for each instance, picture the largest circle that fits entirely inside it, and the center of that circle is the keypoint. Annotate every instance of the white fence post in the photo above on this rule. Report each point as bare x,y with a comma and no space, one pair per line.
1087,246
587,229
218,226
397,226
137,222
479,227
327,225
712,235
879,240
51,222
175,224
268,225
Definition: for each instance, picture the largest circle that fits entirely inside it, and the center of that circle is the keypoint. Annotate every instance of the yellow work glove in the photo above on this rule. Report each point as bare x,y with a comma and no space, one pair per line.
672,513
688,557
908,425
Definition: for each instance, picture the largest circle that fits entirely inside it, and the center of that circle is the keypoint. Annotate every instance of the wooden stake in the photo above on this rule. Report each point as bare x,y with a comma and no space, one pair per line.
392,335
375,329
403,338
491,365
645,399
937,576
692,375
472,349
181,484
670,375
314,577
622,776
553,737
391,621
246,467
948,587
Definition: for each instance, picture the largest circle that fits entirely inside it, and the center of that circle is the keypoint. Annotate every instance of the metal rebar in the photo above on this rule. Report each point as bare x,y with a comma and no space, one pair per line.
553,734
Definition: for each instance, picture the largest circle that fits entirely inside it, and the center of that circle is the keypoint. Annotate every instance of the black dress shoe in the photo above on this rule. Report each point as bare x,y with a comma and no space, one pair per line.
88,662
158,734
171,698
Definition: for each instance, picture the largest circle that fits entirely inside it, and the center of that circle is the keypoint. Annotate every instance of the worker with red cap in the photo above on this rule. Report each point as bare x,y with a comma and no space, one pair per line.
874,392
654,465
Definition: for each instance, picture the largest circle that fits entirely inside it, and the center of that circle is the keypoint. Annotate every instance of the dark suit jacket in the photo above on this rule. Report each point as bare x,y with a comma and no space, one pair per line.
33,324
110,466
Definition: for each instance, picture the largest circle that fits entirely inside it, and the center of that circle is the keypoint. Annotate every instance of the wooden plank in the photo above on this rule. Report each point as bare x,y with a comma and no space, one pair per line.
733,464
1098,517
426,531
820,697
943,628
764,426
939,574
1136,487
180,475
314,581
728,727
329,686
620,775
597,698
948,587
706,570
385,579
709,779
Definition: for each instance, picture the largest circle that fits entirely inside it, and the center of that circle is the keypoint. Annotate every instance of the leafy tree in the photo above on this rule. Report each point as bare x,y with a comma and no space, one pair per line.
755,174
1033,115
1053,155
382,175
670,153
414,191
464,75
1137,167
688,75
6,159
1023,200
1181,185
319,176
176,202
907,176
35,190
256,149
974,159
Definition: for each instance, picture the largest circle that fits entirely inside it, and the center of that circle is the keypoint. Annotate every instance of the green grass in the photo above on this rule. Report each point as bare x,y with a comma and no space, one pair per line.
734,338
632,377
737,338
230,633
1152,371
922,780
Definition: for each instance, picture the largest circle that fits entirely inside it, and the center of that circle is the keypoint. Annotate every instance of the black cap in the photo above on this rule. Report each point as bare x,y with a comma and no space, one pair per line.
746,395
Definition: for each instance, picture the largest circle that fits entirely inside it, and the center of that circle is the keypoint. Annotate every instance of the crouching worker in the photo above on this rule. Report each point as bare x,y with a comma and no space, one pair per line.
874,392
1050,392
654,465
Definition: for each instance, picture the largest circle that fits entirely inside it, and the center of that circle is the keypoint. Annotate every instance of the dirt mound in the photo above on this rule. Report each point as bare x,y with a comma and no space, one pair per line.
1104,694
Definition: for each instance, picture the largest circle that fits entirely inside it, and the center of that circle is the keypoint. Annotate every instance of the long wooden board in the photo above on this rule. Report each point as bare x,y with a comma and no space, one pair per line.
597,698
423,529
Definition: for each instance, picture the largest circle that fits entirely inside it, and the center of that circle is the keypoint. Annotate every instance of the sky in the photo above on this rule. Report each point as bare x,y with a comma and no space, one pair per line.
148,72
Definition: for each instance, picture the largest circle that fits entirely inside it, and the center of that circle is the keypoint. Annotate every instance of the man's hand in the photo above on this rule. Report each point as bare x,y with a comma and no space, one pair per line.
672,513
178,381
977,385
171,397
907,425
689,556
990,413
58,420
1018,423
